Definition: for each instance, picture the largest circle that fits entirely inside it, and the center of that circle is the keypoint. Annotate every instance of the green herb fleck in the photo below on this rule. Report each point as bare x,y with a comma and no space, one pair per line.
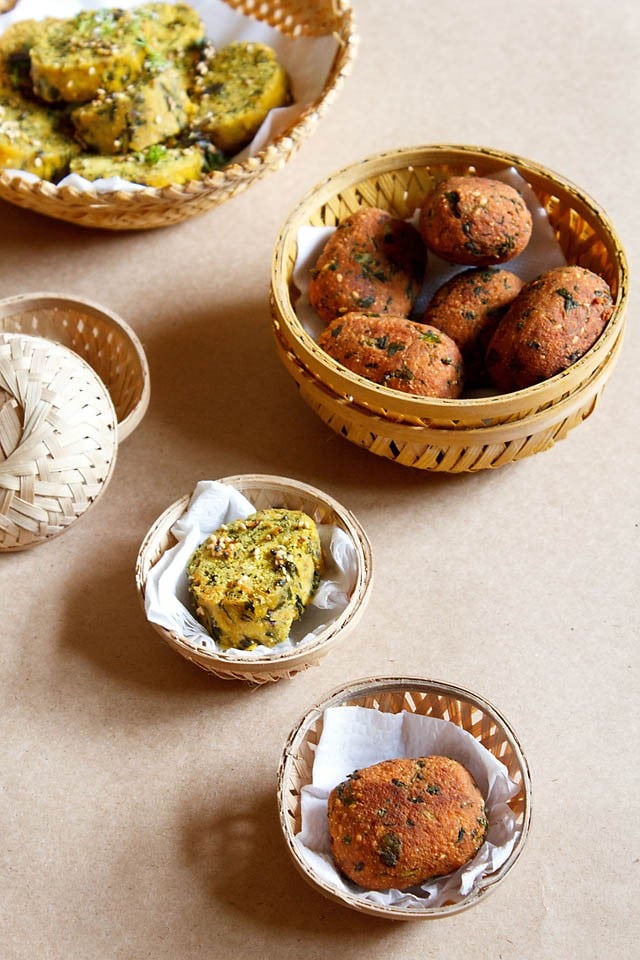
570,303
390,849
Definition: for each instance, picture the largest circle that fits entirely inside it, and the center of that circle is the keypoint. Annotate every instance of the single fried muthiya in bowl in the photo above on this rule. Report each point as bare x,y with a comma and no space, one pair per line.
399,822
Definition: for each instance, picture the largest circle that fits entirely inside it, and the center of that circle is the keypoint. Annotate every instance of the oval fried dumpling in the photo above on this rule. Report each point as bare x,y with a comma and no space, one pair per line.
399,822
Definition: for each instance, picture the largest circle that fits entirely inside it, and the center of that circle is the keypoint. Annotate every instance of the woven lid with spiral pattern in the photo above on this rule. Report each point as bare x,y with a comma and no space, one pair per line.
58,439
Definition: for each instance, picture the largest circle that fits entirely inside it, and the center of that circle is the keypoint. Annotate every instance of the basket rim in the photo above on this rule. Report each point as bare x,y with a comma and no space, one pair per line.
236,171
50,299
532,424
218,660
390,684
309,352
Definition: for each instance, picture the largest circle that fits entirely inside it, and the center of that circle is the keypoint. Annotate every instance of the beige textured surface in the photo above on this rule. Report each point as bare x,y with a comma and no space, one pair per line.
137,793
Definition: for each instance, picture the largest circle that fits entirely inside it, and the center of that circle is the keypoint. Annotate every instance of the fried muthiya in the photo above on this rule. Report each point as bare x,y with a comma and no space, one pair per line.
373,263
475,221
552,322
158,166
397,353
252,578
397,823
30,139
233,91
467,308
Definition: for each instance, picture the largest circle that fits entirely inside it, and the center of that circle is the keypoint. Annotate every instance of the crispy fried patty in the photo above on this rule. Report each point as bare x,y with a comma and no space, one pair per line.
475,221
397,823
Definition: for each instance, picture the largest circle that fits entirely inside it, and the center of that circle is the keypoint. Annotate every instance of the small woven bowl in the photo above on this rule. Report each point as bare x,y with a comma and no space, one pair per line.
430,698
468,434
58,439
97,335
160,207
263,492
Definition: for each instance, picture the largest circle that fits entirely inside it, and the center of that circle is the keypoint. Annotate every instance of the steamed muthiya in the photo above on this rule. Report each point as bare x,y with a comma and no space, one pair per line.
399,822
475,221
252,578
397,353
234,90
114,82
372,263
552,322
467,308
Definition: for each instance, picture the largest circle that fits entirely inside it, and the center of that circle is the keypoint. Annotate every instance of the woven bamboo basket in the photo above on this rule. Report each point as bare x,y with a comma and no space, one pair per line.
468,434
58,439
430,698
100,337
159,207
265,491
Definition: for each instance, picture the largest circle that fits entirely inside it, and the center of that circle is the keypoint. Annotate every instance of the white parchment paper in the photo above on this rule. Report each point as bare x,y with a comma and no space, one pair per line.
167,599
307,61
357,737
543,252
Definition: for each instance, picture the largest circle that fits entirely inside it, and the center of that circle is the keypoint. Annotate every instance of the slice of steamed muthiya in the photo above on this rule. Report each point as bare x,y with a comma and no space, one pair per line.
171,28
158,166
251,579
233,92
30,140
15,49
149,111
73,60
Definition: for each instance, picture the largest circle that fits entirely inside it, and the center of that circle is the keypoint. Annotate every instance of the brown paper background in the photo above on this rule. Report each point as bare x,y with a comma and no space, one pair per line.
137,794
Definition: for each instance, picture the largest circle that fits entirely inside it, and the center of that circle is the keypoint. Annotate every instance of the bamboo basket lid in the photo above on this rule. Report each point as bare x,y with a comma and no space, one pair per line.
429,698
472,433
58,439
159,207
102,338
264,491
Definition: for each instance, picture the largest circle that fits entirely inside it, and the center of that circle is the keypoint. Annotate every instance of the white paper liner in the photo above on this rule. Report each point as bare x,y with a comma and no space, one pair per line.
307,61
355,737
167,599
543,252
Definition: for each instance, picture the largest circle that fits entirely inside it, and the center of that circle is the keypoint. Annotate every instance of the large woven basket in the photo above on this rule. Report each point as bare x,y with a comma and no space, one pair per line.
58,439
157,207
437,434
429,698
263,492
103,339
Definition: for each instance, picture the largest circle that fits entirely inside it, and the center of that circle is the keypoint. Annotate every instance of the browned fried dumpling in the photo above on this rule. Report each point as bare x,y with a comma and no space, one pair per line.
552,322
475,221
467,308
397,353
399,822
373,263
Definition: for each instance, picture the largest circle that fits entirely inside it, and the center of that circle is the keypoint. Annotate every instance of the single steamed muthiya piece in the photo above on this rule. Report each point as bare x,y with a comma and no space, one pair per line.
234,90
15,54
552,322
74,59
396,353
397,823
373,263
475,221
468,307
252,578
30,139
158,166
148,111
